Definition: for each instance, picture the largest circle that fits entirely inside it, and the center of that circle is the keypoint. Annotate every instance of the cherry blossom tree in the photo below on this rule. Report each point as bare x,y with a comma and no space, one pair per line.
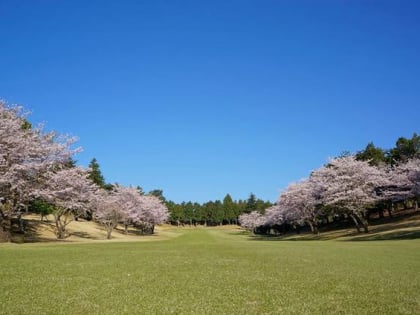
28,155
131,199
107,207
250,221
275,215
127,205
154,212
403,182
349,186
71,193
300,203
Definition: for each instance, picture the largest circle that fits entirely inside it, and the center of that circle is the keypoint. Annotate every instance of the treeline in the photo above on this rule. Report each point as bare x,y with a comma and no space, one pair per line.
217,212
349,188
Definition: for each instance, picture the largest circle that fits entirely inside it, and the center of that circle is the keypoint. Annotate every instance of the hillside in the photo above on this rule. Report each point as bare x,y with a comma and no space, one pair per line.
82,231
404,225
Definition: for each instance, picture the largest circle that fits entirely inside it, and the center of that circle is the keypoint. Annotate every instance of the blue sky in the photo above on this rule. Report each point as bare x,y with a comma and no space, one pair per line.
204,98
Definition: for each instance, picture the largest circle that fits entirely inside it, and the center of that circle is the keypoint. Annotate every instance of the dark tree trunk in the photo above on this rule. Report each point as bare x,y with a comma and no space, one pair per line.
108,233
356,223
5,228
364,223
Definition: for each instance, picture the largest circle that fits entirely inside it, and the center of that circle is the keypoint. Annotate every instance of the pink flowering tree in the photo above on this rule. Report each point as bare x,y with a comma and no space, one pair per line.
27,157
250,221
70,192
127,205
274,215
403,182
349,186
153,212
107,209
300,204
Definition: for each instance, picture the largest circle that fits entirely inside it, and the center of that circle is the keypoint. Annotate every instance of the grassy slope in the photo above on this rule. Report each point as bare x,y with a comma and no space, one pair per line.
79,231
212,271
405,225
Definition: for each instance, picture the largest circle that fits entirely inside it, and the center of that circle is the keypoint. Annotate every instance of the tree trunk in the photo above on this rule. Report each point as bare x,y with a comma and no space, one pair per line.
125,228
21,223
355,222
312,227
108,232
61,229
5,228
364,223
390,208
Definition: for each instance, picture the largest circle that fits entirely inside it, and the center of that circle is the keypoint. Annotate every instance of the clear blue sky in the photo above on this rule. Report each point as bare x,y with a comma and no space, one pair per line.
204,98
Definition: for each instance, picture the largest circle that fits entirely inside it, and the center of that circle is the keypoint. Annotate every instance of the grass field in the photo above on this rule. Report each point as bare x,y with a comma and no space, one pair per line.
211,271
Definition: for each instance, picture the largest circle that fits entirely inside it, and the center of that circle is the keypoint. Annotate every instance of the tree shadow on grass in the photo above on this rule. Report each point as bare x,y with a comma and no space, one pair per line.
32,233
397,235
239,232
132,231
83,235
403,231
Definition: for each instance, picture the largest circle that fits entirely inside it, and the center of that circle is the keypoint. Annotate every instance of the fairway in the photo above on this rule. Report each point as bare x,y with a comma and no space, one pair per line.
211,271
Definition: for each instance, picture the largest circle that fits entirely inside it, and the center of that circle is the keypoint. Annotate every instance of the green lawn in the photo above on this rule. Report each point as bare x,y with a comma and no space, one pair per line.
211,271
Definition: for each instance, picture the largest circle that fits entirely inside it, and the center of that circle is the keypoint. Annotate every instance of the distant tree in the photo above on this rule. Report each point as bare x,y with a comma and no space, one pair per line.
95,173
250,221
229,209
406,149
189,212
154,212
157,193
108,209
251,203
374,155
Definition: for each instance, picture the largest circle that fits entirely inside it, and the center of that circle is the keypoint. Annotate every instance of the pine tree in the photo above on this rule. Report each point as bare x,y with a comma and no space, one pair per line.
95,173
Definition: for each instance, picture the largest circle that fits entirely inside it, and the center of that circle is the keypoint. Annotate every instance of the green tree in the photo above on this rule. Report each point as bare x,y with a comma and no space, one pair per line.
158,193
41,207
373,154
406,149
251,203
95,173
229,209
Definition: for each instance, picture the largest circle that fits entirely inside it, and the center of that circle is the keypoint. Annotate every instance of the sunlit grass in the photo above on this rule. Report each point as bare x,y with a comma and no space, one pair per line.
212,271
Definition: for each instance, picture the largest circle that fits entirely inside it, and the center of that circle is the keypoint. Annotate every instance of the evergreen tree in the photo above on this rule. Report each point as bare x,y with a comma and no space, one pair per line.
158,193
405,149
229,209
373,154
95,173
251,203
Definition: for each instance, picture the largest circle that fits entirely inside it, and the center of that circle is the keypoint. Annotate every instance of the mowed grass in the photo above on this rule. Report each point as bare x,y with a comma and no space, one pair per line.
211,271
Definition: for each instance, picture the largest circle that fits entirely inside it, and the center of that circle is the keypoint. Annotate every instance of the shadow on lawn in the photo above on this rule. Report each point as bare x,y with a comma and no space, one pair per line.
84,235
347,237
402,226
32,234
397,235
